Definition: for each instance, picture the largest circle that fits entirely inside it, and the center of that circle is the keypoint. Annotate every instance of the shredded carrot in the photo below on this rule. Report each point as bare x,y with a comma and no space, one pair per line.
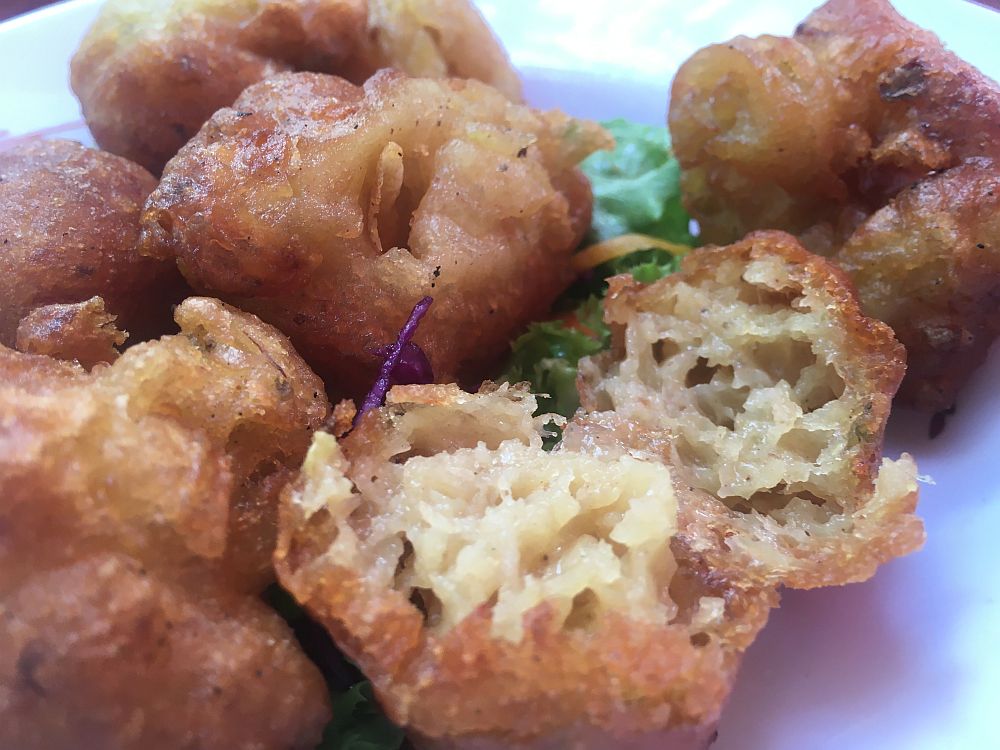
616,247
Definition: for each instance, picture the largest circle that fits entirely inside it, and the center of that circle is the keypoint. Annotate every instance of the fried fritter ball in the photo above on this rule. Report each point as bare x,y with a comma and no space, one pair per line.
812,133
817,133
83,332
103,653
501,596
137,519
149,73
330,210
69,224
774,391
179,448
928,264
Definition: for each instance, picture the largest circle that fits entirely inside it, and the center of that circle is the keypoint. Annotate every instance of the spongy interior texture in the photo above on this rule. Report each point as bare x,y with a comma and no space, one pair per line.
740,367
503,524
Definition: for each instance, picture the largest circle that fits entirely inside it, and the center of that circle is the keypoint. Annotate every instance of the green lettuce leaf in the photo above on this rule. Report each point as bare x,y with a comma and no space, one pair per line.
637,186
546,356
359,724
636,191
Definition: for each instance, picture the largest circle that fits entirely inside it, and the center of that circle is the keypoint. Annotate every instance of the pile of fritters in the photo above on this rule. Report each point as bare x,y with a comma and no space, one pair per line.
878,147
497,594
149,73
138,518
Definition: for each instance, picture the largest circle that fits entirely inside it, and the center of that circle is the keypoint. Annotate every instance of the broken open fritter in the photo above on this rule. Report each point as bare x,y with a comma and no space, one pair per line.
137,520
833,134
69,225
498,595
149,73
773,391
329,210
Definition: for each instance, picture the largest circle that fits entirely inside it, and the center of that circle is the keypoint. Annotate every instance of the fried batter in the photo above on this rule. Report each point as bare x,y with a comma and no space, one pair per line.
178,449
928,264
498,595
83,332
330,210
104,653
773,390
817,133
149,73
137,520
69,224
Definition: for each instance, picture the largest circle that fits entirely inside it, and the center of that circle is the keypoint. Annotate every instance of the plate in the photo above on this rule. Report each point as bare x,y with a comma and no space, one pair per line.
906,661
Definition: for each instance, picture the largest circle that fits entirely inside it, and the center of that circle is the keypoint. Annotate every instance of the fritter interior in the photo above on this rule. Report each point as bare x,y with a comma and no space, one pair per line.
775,391
496,593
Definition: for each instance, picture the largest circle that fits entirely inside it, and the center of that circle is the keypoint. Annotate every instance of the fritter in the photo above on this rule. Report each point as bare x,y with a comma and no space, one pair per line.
928,264
817,133
498,595
773,391
83,332
330,210
177,450
812,133
149,73
137,519
103,653
69,224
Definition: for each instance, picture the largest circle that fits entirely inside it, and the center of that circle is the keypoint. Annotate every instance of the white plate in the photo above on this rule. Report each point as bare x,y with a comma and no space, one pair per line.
907,661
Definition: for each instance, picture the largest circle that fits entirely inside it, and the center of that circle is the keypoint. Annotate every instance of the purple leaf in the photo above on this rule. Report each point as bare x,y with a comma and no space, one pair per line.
404,362
413,369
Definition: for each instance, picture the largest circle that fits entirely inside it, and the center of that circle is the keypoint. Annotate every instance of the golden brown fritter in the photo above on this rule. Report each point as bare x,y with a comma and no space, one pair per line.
773,391
149,73
330,210
178,449
137,519
104,653
928,264
812,133
69,224
498,595
83,332
817,133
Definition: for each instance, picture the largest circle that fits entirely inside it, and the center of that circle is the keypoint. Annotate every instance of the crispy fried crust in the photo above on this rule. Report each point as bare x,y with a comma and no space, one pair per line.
330,210
137,504
928,264
149,73
773,392
83,332
820,134
104,653
579,676
69,224
198,430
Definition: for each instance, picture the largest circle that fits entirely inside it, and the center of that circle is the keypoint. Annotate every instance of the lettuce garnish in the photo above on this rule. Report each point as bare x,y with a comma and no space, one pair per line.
359,724
636,192
637,186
